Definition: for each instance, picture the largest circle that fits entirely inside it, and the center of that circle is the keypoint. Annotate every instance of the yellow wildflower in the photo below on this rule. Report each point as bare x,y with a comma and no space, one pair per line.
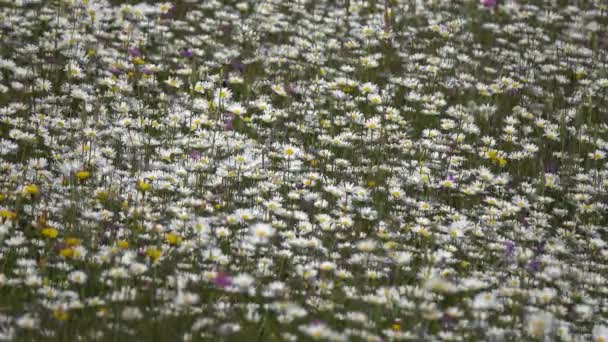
144,186
83,175
72,241
173,239
50,232
502,161
154,253
123,244
31,189
7,214
102,195
138,61
61,315
67,253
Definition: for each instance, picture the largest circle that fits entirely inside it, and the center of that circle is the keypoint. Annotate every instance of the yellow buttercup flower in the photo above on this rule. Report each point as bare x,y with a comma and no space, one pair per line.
123,244
138,61
61,315
50,232
502,161
67,253
31,189
154,253
83,175
102,195
7,214
144,186
173,239
72,241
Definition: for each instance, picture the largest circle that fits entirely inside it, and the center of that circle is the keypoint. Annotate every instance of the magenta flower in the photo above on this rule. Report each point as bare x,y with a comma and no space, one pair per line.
489,3
222,279
196,155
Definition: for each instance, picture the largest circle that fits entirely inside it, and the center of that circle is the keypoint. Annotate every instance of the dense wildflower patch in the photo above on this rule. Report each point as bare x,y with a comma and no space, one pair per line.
294,170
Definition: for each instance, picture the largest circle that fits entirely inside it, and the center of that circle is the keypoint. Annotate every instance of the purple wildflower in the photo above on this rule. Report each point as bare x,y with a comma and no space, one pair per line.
535,265
134,52
116,71
196,155
222,279
187,53
509,247
489,3
228,122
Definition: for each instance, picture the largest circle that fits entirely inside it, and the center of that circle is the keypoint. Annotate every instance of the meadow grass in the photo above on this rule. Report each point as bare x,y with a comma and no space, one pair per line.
303,170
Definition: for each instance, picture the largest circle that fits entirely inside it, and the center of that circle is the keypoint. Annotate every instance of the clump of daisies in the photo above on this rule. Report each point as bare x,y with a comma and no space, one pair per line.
384,171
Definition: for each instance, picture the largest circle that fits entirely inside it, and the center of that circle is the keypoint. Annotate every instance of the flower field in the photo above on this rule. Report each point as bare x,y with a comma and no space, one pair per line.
336,170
